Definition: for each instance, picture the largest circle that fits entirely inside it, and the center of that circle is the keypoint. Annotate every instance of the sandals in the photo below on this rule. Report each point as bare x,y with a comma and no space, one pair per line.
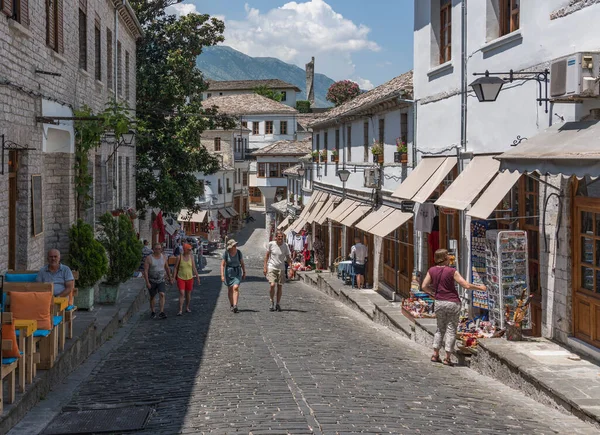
448,362
436,359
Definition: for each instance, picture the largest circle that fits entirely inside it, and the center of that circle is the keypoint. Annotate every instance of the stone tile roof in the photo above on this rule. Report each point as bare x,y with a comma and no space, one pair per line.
305,119
292,171
248,104
245,85
286,148
401,86
280,206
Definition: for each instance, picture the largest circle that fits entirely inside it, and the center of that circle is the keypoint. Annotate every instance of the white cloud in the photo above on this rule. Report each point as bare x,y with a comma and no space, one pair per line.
364,84
297,31
181,9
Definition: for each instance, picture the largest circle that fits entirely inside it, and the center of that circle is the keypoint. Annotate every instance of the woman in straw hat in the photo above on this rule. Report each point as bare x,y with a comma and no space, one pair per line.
439,282
233,271
185,271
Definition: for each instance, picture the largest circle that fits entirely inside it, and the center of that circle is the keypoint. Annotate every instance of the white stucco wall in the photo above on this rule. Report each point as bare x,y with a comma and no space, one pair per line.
261,139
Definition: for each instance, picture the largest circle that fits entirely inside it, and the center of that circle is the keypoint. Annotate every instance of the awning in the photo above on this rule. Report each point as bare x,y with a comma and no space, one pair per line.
425,178
356,214
198,217
343,214
497,190
374,218
327,209
572,148
223,212
232,211
344,206
318,208
301,221
469,184
390,223
284,223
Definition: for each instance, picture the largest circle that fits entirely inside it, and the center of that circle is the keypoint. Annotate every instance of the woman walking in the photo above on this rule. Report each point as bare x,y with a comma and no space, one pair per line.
233,271
319,249
185,271
439,282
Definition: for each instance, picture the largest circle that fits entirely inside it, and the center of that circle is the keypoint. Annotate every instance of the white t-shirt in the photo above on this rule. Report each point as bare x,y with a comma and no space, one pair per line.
424,218
278,255
359,252
298,243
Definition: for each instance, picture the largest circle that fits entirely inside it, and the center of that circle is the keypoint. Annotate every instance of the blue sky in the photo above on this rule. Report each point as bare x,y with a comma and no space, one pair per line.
368,41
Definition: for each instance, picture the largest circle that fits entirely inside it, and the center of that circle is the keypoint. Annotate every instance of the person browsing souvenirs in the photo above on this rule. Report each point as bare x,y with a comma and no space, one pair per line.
233,271
439,283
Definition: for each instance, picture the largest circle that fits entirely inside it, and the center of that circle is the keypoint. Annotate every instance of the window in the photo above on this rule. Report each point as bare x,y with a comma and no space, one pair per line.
509,16
245,124
283,95
18,10
283,127
268,127
273,170
126,75
244,179
208,95
445,31
349,143
228,185
255,127
381,131
97,51
404,127
262,170
318,142
366,140
217,144
337,141
109,59
219,187
325,134
119,69
82,40
54,26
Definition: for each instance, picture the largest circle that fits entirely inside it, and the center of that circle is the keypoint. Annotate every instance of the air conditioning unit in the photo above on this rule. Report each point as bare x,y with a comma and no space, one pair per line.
575,76
371,178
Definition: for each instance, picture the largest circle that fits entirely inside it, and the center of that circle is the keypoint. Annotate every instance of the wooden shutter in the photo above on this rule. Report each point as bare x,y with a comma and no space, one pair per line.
7,7
25,12
60,43
50,25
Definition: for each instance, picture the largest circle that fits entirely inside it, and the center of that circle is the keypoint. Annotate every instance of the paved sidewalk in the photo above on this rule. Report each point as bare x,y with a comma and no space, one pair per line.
544,370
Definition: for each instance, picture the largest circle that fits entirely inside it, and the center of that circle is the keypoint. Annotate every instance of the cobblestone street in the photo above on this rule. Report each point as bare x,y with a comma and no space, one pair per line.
316,367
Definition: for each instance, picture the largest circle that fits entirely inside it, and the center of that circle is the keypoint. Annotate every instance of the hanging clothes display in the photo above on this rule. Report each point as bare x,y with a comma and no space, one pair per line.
424,217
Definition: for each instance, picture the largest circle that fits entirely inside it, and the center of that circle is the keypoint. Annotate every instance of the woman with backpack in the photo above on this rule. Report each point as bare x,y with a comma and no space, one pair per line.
233,271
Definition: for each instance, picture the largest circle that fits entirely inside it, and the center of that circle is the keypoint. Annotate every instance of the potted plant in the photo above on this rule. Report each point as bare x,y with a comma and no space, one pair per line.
315,156
299,200
323,156
124,252
291,199
88,257
377,151
401,154
335,156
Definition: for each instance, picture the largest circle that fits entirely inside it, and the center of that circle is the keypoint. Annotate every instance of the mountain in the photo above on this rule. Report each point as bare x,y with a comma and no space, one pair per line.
225,63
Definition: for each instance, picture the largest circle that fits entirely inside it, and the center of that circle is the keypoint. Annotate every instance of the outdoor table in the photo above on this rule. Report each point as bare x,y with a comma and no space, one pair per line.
345,269
26,329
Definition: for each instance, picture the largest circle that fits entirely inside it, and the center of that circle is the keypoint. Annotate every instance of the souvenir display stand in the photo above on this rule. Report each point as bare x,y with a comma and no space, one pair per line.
479,298
419,305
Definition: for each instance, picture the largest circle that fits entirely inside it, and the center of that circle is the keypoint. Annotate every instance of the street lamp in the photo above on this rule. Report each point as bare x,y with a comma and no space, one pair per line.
344,174
487,88
128,137
301,171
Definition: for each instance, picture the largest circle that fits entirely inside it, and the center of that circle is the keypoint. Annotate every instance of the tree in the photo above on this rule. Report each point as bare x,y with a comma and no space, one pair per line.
170,113
265,91
342,91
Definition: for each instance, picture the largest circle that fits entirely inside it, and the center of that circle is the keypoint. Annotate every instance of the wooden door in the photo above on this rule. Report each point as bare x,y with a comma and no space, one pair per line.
586,274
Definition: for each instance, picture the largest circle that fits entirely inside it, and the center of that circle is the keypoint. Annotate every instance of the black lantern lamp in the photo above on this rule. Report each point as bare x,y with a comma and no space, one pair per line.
344,174
487,88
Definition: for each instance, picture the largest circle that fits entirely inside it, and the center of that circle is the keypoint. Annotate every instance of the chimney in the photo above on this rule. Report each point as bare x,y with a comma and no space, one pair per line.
310,81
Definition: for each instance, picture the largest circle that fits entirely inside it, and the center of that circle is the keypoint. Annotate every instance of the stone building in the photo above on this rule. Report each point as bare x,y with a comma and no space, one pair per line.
57,57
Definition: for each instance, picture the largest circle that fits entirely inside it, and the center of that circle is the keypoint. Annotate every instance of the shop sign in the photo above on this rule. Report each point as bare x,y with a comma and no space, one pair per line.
444,210
407,206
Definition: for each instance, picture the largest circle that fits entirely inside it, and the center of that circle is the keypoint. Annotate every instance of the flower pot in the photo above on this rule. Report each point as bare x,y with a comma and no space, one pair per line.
315,159
84,299
108,294
323,159
335,159
377,158
397,157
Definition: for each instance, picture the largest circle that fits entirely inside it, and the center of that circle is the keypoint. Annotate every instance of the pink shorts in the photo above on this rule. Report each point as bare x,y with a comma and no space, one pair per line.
185,284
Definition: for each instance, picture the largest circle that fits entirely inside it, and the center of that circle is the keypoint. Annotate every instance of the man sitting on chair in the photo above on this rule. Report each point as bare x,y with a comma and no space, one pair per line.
58,274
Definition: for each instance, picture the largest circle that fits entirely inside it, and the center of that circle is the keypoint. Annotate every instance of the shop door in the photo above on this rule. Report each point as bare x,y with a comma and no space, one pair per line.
12,209
586,260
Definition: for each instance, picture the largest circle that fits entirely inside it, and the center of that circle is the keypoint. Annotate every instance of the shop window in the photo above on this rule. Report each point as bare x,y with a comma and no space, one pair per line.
262,170
268,127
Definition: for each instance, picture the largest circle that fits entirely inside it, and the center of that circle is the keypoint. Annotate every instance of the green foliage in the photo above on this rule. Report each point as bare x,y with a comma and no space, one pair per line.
303,106
88,134
171,116
86,254
267,92
342,91
122,246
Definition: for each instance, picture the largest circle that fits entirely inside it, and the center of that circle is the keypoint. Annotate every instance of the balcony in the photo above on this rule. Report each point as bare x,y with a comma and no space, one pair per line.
240,156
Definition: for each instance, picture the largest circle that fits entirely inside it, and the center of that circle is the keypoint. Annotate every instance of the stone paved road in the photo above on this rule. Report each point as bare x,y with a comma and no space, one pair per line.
316,367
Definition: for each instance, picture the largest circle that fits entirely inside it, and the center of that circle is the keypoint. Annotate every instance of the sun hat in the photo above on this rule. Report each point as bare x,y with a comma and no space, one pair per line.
187,246
231,243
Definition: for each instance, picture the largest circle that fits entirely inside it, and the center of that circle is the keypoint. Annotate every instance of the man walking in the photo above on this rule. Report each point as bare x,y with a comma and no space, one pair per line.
155,268
277,254
358,254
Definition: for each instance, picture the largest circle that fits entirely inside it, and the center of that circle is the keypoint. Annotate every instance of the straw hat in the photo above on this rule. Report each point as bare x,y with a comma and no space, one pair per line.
231,243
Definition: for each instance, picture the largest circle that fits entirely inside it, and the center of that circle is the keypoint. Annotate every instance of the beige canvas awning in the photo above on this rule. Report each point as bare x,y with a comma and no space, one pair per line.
469,184
327,209
284,223
491,197
299,223
232,211
390,223
223,212
418,184
374,218
356,214
197,217
317,208
346,205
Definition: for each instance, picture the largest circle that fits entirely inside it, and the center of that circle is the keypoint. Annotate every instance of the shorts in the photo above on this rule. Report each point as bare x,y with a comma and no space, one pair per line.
276,276
359,269
185,284
156,287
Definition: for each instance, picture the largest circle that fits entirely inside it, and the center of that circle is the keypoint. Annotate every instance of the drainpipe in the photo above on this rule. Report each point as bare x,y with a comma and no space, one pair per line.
115,78
463,258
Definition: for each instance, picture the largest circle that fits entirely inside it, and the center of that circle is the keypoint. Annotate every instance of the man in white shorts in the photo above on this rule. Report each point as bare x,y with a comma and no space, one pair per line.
277,254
